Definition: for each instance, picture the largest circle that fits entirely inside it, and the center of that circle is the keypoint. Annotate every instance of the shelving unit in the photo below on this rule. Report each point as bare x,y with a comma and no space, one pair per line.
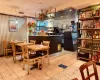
89,41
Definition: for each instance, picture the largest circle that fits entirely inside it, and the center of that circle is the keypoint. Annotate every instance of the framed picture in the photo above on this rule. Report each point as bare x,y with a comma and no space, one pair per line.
13,27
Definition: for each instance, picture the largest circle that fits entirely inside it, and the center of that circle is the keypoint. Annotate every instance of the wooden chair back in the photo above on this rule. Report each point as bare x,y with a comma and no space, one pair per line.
46,43
4,44
33,41
75,79
25,52
89,75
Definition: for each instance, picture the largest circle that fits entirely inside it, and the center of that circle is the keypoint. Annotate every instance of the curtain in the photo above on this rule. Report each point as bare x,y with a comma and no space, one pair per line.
5,34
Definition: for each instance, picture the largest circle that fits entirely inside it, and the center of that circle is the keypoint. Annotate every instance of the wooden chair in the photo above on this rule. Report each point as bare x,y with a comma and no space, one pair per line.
46,55
15,52
86,66
5,48
75,79
33,41
27,59
89,75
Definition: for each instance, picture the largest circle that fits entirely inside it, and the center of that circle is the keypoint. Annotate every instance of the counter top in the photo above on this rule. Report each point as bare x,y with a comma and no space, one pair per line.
48,35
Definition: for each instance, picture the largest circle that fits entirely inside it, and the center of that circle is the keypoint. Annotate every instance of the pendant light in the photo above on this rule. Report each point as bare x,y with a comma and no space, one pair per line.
55,12
16,15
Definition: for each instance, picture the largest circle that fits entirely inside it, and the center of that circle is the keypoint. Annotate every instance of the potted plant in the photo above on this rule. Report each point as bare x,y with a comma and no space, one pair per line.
31,26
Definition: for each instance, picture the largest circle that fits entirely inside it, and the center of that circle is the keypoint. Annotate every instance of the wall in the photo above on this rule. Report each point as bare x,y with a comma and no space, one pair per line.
4,30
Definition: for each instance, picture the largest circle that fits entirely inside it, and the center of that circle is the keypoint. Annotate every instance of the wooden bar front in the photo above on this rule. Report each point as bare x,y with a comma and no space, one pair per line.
55,42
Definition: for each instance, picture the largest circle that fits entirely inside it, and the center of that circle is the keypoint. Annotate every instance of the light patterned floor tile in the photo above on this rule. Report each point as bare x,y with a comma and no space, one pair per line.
27,77
21,73
11,77
13,71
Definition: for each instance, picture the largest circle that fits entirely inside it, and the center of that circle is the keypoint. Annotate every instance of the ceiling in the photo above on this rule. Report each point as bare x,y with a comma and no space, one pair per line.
30,7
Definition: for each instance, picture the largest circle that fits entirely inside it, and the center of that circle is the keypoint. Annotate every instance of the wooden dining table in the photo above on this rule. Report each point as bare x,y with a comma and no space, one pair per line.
16,42
38,47
22,44
34,48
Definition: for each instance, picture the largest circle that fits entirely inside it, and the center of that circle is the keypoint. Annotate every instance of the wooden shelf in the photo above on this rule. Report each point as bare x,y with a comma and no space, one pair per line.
84,58
86,19
91,40
84,48
97,62
96,28
91,18
88,28
96,50
96,39
85,28
85,38
96,17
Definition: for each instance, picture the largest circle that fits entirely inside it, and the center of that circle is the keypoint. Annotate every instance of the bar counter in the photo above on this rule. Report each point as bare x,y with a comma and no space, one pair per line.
55,42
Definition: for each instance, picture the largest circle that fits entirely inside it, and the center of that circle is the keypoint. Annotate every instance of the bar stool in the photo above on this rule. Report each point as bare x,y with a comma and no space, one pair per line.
5,48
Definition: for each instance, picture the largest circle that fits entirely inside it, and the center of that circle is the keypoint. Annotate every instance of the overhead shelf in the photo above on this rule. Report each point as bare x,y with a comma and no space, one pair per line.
96,50
96,39
88,28
85,38
84,58
86,19
84,48
91,18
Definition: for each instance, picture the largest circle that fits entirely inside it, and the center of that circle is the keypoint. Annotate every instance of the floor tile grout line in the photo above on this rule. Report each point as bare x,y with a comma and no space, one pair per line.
60,55
45,72
28,74
12,70
1,76
0,73
63,71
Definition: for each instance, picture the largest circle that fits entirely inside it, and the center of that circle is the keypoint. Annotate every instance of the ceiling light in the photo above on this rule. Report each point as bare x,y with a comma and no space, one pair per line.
16,22
70,10
81,12
61,16
40,4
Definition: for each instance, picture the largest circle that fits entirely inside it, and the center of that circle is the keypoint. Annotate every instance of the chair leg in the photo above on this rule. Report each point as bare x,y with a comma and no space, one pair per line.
4,53
28,69
38,64
21,57
14,58
48,56
43,60
48,59
23,66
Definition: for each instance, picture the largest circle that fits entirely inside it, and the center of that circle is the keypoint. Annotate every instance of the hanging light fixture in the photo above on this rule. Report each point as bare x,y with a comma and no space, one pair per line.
16,15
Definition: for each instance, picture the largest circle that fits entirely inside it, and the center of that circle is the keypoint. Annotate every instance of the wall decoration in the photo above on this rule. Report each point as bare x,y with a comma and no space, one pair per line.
13,26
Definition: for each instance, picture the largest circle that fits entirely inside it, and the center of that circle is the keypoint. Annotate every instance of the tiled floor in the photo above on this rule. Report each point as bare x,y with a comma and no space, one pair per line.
11,71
